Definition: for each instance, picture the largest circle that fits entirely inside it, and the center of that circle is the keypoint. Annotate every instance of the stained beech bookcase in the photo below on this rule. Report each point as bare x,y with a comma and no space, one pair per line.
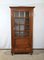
21,30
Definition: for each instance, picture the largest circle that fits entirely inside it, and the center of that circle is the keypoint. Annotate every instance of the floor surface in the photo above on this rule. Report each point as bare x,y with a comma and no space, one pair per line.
37,55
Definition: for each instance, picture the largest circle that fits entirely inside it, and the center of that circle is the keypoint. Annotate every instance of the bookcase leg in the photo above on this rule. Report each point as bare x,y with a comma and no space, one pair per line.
31,53
12,53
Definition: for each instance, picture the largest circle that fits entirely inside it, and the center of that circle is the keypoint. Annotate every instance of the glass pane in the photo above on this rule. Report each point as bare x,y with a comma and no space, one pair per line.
27,33
16,21
22,21
21,14
16,14
16,27
16,34
27,27
21,27
27,14
27,21
22,34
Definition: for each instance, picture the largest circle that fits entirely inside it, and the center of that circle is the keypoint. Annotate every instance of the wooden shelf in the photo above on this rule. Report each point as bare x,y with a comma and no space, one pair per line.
21,30
21,24
23,37
21,17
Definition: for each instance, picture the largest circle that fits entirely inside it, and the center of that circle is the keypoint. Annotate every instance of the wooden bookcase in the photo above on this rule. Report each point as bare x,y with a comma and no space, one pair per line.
21,30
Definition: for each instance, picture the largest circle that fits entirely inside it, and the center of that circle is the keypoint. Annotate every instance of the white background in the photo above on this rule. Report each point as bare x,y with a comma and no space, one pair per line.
5,22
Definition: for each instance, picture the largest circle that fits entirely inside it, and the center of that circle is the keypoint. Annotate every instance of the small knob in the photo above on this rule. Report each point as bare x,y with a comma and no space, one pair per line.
13,28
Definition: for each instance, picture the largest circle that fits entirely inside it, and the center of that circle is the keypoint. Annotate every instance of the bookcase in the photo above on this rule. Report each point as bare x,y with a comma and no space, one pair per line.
21,30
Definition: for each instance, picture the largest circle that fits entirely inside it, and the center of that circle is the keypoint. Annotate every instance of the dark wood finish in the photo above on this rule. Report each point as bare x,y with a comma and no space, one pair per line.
24,44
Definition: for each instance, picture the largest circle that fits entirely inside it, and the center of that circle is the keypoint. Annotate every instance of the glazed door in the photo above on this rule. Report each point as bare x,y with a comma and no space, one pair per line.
21,32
